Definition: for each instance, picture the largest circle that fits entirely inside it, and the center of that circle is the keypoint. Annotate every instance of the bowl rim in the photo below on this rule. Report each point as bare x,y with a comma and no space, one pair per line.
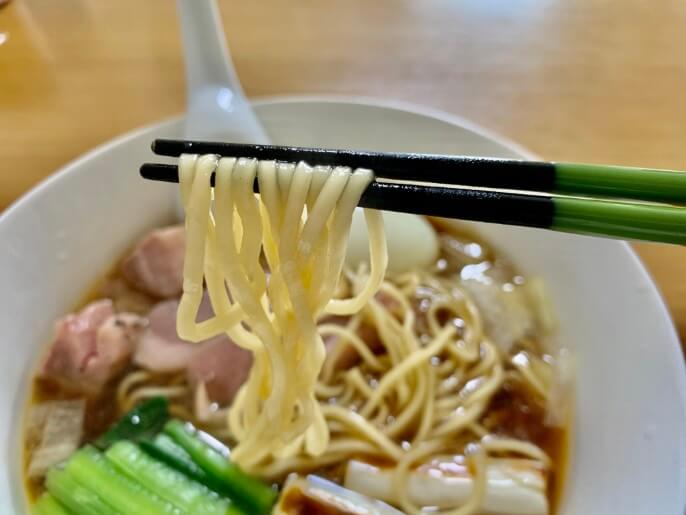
676,354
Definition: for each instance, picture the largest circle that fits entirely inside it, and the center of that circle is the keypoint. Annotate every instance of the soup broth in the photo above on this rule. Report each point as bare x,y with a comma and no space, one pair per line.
513,411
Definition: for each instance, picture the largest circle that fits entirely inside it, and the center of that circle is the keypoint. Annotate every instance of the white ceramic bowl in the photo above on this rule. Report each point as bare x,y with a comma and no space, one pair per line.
629,445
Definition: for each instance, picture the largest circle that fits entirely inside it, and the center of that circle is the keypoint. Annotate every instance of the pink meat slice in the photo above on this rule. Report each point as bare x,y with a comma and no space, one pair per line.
156,264
117,338
91,347
222,366
160,348
218,362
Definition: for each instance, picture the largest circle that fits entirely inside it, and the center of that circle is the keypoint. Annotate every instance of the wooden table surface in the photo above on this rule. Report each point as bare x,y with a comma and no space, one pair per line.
586,80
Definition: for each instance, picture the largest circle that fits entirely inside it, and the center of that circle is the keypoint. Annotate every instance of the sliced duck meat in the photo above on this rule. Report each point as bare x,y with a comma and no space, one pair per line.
218,363
156,264
222,366
91,346
117,339
160,348
126,298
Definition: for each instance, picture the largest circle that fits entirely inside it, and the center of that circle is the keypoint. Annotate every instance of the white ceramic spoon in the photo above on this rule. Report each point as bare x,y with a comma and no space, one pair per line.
217,107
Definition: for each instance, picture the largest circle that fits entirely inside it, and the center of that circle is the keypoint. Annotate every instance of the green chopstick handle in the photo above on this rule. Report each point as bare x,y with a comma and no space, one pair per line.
621,182
665,224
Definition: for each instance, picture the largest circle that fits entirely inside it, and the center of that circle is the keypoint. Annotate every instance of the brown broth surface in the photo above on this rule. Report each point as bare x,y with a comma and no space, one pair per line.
513,411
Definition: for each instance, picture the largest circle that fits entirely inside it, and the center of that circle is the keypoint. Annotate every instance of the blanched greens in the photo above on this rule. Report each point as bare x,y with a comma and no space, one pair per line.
138,469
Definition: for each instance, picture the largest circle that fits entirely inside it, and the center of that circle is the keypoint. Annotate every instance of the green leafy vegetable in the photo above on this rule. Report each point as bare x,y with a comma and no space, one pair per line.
256,497
163,448
92,470
153,466
142,422
48,505
168,483
75,497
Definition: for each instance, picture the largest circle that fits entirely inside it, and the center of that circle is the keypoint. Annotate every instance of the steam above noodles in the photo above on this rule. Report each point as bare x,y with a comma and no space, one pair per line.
300,224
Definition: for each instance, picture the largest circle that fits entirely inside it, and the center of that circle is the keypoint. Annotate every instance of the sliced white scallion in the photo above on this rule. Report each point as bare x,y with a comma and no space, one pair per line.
514,486
315,492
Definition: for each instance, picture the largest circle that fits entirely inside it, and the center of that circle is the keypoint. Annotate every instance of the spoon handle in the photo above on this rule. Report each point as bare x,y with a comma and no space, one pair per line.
217,105
204,45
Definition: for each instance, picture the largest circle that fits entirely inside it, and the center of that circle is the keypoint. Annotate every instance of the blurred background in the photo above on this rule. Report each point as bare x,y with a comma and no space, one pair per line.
578,80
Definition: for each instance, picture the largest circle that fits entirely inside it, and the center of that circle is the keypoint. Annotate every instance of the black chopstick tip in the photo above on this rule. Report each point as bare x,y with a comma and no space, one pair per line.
159,172
145,171
175,148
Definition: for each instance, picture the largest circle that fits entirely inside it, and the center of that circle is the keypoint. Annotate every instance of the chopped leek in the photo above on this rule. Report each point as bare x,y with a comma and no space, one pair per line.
313,494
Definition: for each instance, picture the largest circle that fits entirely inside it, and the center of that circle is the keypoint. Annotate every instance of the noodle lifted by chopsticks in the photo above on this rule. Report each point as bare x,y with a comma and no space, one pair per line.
300,224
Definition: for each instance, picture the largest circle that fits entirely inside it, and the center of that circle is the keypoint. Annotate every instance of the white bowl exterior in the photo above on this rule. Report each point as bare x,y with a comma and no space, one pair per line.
629,448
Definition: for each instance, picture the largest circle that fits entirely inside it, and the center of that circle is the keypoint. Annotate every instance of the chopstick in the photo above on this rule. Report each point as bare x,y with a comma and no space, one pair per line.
484,172
614,218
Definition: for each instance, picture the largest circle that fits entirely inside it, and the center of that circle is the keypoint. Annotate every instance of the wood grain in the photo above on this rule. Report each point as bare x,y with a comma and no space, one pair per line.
589,80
